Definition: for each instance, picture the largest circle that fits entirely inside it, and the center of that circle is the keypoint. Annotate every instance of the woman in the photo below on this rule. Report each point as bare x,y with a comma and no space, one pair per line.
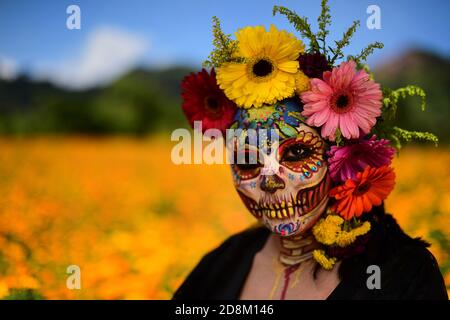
309,166
262,263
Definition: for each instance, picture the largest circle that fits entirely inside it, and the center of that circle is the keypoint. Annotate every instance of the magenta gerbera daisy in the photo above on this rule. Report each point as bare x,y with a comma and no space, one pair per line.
346,98
204,101
346,161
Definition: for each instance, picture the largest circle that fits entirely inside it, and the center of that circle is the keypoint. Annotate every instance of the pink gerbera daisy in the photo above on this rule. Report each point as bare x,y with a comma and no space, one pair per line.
346,99
346,161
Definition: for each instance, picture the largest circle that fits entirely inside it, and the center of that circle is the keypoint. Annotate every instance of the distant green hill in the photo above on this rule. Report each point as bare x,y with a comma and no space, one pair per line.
144,101
432,73
140,102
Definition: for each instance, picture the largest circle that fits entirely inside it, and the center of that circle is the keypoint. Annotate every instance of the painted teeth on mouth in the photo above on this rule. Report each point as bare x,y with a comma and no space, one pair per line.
291,211
255,211
304,199
277,207
278,212
300,204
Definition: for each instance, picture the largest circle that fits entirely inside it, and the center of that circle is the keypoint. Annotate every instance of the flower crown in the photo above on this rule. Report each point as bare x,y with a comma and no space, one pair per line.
260,68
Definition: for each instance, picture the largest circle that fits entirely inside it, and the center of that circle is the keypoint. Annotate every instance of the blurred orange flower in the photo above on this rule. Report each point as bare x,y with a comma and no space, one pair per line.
134,222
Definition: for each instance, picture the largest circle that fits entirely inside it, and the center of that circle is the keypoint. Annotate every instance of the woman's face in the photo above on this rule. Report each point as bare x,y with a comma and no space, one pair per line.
289,192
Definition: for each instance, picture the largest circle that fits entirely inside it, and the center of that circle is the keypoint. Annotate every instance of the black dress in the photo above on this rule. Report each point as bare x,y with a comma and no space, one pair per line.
408,269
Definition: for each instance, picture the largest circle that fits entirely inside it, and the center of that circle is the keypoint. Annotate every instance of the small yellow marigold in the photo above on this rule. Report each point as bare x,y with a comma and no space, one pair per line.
326,230
324,261
346,238
301,83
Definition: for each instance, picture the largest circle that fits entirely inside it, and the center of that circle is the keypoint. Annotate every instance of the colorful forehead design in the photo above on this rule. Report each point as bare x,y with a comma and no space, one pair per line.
284,116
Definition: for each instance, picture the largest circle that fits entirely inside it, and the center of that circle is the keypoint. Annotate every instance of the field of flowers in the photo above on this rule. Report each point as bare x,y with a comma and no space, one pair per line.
136,224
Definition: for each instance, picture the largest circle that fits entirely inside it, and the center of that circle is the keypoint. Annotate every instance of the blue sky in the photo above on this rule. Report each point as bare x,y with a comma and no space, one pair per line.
117,35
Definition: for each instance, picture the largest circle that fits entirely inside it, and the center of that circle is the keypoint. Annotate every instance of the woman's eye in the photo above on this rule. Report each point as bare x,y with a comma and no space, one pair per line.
247,170
296,153
247,165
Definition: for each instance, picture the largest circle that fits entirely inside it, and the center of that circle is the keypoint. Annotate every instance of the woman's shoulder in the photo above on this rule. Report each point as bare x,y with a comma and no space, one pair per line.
404,266
221,272
415,266
397,245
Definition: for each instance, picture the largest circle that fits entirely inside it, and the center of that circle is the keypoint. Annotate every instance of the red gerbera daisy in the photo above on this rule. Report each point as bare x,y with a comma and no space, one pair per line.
204,101
369,188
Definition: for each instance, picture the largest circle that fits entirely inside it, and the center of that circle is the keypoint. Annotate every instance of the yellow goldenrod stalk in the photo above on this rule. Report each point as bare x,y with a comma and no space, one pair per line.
224,46
346,238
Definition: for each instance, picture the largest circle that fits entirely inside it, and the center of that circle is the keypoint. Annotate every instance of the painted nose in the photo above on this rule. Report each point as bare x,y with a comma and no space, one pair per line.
271,183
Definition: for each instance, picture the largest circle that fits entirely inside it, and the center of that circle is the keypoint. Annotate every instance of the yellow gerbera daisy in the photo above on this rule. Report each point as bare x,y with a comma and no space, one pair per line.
265,69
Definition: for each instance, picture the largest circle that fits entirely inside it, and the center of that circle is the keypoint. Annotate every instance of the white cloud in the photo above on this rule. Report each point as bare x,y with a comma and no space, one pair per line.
9,69
107,53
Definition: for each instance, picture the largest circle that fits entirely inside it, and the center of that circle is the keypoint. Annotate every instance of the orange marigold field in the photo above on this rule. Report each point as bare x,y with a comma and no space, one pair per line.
136,224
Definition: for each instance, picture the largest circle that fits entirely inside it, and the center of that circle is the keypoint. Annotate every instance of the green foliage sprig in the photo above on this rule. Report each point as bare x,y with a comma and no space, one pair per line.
391,98
324,20
300,24
362,56
345,41
408,136
338,137
385,125
224,46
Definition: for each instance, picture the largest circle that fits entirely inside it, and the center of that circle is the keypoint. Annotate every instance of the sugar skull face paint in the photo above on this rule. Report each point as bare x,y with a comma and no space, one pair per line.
290,200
